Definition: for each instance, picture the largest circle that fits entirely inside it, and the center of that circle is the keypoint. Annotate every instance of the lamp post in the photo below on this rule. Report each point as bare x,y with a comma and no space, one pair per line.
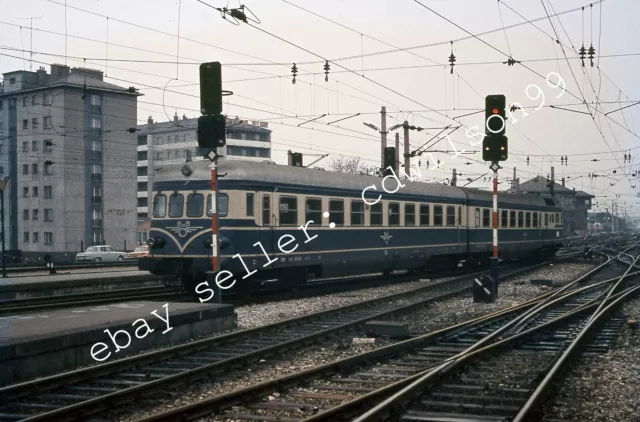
3,184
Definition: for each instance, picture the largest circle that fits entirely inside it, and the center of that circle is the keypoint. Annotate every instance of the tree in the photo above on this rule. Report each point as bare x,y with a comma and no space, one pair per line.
350,165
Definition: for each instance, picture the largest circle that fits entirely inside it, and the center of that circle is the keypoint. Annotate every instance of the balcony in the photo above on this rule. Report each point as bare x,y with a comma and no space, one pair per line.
96,200
96,224
97,178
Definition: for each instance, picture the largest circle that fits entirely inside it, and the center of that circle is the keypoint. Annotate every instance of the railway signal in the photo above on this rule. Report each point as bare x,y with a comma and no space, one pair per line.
495,145
389,161
212,124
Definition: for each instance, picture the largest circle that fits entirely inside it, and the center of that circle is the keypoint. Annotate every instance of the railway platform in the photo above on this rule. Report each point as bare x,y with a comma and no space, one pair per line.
40,344
23,287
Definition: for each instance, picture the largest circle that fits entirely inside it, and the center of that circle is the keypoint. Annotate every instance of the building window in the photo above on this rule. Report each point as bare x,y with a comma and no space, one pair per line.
46,99
46,122
176,138
187,137
34,100
376,214
1,170
158,140
288,211
95,100
96,146
48,238
25,124
35,237
48,192
25,169
143,186
25,214
12,81
48,214
96,169
97,238
25,101
243,136
143,202
1,149
394,214
25,192
34,214
34,146
1,105
25,147
357,213
47,146
336,211
96,123
142,155
97,214
34,123
1,124
34,169
142,139
25,237
142,171
35,191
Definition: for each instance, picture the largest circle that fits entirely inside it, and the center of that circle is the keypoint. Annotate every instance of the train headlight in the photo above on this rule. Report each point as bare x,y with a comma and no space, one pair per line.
151,241
155,243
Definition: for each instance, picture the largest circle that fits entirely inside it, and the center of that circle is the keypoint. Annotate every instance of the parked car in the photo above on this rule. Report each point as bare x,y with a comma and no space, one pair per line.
101,253
139,252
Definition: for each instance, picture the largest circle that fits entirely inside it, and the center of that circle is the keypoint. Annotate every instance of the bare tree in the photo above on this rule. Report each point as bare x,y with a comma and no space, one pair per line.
348,165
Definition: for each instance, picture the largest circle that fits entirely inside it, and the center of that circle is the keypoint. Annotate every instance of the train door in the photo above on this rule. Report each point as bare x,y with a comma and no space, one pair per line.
268,223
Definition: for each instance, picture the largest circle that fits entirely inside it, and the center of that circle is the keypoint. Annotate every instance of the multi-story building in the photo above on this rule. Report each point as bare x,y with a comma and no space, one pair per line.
67,145
176,142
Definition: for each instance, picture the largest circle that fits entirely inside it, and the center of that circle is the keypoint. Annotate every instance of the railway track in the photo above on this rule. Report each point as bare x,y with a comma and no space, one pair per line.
98,266
46,303
342,389
76,395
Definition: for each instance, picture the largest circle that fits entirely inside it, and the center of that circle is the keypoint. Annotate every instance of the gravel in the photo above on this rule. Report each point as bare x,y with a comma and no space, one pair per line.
437,315
604,388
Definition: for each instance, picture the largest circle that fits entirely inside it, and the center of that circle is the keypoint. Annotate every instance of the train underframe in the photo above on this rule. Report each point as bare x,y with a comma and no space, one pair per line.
190,272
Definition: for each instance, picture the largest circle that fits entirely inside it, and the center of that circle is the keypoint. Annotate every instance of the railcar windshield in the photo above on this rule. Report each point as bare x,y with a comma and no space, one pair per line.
195,203
176,205
159,205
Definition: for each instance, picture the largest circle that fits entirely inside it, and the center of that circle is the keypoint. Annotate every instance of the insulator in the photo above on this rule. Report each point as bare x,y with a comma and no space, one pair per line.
452,60
527,160
326,70
592,52
427,163
294,71
583,52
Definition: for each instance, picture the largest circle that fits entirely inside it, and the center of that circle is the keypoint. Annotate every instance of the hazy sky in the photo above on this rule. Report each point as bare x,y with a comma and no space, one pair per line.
413,84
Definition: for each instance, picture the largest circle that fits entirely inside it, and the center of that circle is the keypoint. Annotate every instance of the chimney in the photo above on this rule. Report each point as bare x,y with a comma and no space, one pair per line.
175,117
184,116
59,71
563,182
150,120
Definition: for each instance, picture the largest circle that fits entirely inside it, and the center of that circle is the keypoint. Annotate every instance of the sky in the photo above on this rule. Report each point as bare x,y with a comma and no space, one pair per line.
381,53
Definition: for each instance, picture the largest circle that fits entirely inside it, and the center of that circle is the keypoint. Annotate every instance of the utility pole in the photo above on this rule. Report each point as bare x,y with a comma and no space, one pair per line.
407,157
397,151
3,185
514,183
31,41
454,178
383,134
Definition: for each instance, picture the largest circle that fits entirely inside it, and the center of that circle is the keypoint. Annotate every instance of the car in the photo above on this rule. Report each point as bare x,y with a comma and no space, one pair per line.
139,252
104,253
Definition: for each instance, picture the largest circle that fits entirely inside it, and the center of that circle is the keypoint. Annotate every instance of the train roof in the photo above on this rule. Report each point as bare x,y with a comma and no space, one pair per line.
272,174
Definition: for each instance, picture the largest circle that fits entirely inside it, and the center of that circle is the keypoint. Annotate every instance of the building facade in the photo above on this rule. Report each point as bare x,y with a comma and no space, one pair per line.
67,146
177,142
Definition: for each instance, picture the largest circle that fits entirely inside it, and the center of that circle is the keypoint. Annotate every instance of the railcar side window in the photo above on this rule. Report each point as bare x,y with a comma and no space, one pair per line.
357,213
288,211
546,219
376,214
486,217
451,216
559,219
409,215
176,205
424,215
266,210
478,217
222,199
159,205
551,218
535,219
527,219
437,215
195,202
520,219
512,219
336,211
394,214
250,211
504,220
459,220
313,211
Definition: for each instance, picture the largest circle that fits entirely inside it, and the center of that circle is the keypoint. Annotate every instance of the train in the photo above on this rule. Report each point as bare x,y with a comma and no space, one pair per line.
290,225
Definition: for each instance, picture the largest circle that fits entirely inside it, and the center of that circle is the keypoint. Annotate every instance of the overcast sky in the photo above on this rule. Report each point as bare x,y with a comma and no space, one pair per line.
414,84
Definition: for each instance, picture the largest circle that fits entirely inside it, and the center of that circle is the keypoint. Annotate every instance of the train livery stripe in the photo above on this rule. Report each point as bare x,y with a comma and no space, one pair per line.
214,220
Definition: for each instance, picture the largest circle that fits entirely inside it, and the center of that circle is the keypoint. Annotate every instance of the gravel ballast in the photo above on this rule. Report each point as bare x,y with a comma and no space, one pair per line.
437,315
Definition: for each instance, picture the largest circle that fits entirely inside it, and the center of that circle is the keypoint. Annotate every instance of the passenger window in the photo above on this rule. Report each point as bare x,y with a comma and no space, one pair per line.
313,211
176,205
527,219
478,217
394,214
459,216
546,219
336,211
376,214
504,221
437,215
486,217
535,219
424,215
520,219
266,210
409,215
195,202
357,213
451,216
222,201
250,211
159,206
288,211
512,219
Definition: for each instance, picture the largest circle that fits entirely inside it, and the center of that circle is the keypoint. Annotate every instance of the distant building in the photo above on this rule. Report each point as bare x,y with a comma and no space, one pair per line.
575,204
65,145
176,141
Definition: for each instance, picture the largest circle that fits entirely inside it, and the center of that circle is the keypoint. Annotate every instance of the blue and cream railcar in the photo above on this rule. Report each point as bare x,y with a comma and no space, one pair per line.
272,219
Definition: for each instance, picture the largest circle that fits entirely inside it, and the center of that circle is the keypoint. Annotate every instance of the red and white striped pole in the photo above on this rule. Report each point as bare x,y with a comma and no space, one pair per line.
214,217
494,260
